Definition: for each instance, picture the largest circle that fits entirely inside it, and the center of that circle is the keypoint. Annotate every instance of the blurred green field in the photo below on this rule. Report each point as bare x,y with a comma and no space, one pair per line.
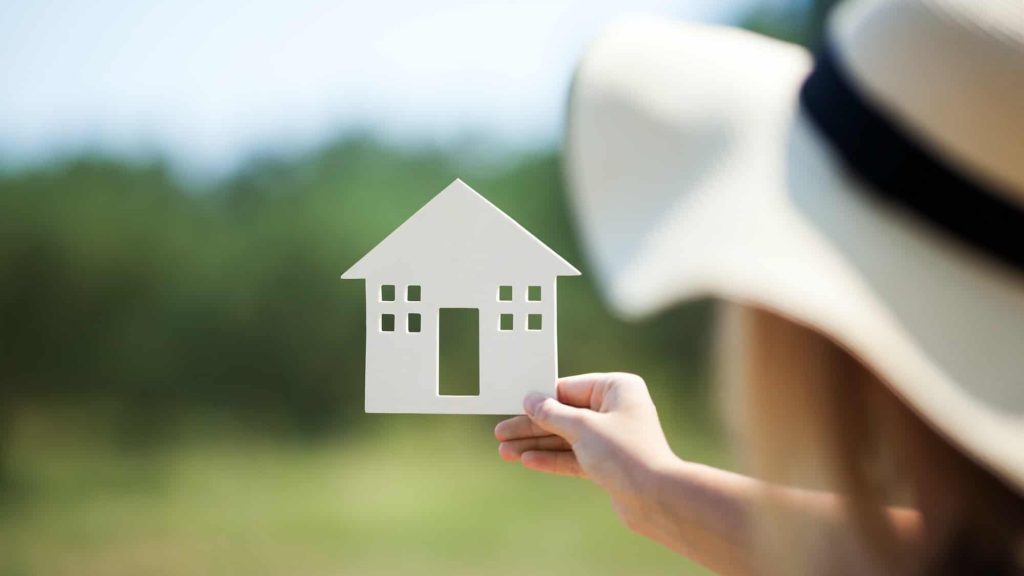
405,495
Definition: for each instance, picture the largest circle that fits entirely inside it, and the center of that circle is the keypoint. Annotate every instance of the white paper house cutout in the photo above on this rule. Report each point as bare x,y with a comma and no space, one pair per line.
460,251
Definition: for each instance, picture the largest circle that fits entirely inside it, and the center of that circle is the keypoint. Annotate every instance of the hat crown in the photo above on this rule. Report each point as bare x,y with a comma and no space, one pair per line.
951,73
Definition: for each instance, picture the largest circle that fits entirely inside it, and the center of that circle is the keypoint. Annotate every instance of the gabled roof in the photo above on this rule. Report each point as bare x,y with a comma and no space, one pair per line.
459,223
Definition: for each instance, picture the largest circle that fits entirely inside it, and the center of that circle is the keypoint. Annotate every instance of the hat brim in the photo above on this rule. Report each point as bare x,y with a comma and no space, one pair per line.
692,173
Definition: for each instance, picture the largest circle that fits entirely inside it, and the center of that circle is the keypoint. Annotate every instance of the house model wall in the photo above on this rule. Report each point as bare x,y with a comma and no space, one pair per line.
459,251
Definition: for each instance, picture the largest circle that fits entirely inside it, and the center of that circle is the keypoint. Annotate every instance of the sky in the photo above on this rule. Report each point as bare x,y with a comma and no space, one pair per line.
209,83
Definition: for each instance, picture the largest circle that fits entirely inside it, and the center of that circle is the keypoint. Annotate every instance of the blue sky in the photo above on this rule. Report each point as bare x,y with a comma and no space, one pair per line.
209,82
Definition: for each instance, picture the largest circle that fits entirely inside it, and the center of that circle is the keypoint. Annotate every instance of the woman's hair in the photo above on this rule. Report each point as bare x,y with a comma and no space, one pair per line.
808,414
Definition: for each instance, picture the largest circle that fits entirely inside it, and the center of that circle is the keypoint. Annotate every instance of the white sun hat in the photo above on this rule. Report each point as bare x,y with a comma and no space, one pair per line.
876,195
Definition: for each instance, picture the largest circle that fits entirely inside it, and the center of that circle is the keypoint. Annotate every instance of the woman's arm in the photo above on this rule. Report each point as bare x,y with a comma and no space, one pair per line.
704,514
604,427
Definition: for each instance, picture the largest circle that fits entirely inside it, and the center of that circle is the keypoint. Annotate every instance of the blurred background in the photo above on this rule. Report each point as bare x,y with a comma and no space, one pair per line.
181,371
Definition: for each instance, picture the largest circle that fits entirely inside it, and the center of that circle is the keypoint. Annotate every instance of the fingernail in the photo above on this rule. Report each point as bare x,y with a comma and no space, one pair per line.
531,403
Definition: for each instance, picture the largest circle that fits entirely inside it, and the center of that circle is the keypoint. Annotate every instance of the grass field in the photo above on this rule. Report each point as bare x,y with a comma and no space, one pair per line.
407,495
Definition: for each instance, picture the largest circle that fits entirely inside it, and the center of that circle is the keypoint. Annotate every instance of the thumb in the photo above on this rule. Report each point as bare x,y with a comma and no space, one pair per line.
555,417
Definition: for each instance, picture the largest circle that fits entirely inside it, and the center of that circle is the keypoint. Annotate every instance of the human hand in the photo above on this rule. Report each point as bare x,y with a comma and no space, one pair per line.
601,426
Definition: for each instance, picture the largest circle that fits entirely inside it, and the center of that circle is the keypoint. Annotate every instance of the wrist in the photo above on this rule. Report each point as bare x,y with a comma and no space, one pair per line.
671,491
645,510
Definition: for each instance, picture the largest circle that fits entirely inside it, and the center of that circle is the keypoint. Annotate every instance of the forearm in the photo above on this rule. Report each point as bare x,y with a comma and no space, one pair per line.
705,514
702,513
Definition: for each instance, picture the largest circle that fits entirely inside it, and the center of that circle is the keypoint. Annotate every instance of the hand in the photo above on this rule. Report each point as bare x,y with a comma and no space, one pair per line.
603,427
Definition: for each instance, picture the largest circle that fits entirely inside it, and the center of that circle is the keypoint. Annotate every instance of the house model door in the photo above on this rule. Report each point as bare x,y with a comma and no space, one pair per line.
458,352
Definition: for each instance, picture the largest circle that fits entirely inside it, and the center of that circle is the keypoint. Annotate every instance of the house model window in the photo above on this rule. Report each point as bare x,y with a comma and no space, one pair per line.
412,293
533,322
460,255
533,293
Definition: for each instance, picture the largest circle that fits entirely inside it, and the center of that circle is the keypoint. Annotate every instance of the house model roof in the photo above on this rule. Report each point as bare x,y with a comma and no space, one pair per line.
459,232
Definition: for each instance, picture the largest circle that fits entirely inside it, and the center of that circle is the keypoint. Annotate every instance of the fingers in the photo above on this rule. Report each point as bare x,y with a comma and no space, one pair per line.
524,440
577,390
557,418
511,450
560,462
518,427
591,390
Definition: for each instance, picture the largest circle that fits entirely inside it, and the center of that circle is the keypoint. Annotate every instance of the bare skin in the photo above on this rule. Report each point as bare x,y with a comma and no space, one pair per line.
605,427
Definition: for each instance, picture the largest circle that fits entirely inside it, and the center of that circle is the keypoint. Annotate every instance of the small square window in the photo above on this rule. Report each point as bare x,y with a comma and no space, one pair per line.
505,293
413,324
533,322
387,293
533,293
506,322
387,322
412,293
